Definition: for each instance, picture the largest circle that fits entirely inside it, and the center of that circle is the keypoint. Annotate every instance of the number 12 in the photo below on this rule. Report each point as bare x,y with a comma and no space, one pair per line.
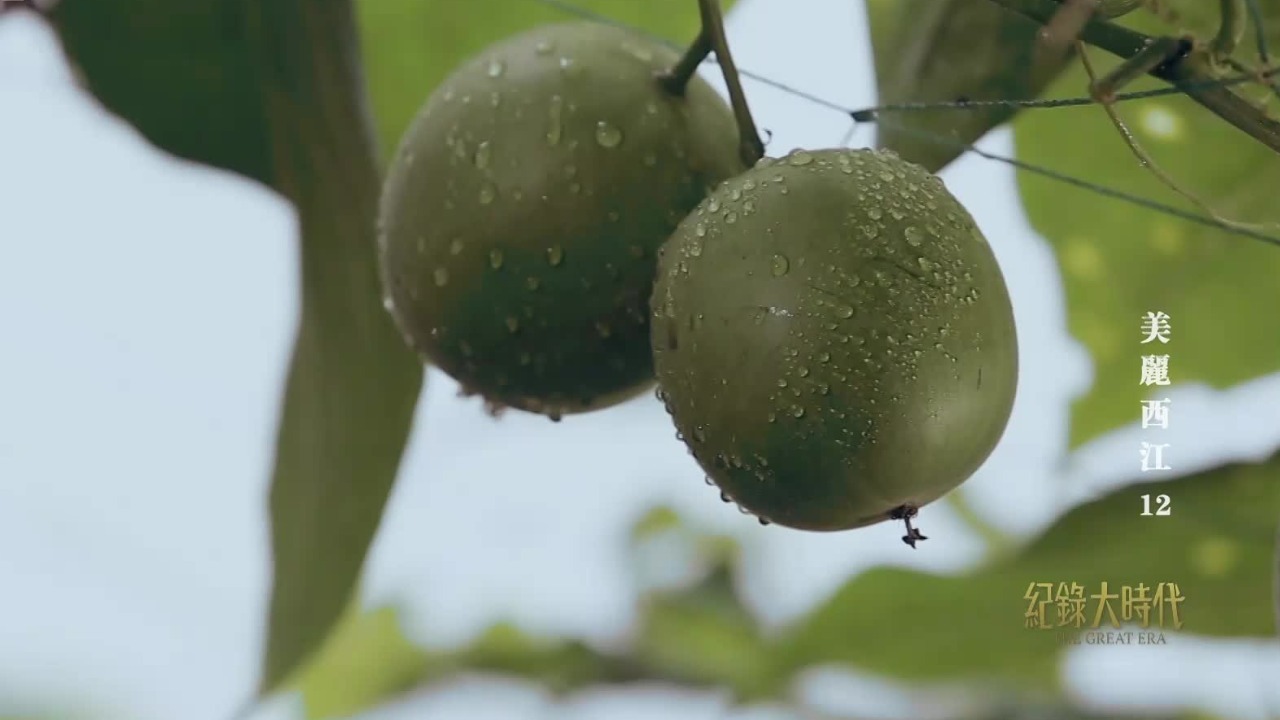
1162,510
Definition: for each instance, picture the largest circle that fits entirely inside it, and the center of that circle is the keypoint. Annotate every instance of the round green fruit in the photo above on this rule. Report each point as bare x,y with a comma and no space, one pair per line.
834,340
522,213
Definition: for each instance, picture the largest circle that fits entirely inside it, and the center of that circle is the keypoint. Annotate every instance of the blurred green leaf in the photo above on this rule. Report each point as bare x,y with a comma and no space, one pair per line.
353,384
274,91
1120,261
1216,546
366,658
410,46
943,51
705,635
177,71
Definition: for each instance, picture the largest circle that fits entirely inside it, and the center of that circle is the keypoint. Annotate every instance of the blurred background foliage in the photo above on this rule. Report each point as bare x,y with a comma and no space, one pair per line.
310,97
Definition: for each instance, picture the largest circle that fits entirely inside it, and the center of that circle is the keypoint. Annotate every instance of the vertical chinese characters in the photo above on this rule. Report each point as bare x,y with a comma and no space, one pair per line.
1155,372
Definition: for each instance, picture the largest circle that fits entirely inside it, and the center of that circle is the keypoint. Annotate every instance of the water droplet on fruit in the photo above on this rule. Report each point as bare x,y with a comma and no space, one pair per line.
695,248
455,246
555,112
441,276
487,193
780,265
496,68
845,311
700,230
495,259
603,329
797,411
800,158
914,236
713,206
483,153
608,135
513,323
544,47
532,283
874,213
555,255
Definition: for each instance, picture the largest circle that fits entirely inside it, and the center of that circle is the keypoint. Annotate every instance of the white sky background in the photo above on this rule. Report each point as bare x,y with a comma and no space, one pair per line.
147,309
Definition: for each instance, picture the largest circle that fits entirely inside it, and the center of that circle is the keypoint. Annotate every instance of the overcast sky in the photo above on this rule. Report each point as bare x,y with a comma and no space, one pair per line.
147,308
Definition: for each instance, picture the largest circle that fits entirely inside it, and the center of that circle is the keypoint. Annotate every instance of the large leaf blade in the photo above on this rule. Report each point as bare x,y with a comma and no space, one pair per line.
176,71
1126,261
1216,545
353,385
947,51
273,91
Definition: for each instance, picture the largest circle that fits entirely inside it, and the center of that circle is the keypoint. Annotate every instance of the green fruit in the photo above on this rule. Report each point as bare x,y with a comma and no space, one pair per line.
834,340
522,213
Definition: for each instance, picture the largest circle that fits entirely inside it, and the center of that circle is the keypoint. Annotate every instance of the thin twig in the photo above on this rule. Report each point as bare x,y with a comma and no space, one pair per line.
751,147
1230,30
1145,159
1191,72
676,80
711,37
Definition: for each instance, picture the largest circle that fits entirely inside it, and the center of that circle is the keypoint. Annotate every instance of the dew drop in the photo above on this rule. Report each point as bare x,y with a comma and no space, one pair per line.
441,276
713,206
695,248
555,112
874,213
487,193
455,246
731,217
513,323
797,411
700,230
495,259
496,68
608,136
800,158
555,255
914,236
780,265
544,47
483,152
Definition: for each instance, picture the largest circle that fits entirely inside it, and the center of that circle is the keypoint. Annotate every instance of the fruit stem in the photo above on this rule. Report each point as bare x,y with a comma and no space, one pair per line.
676,80
712,38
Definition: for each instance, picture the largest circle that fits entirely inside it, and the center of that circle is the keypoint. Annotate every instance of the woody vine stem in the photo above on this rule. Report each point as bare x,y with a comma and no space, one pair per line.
712,38
1184,64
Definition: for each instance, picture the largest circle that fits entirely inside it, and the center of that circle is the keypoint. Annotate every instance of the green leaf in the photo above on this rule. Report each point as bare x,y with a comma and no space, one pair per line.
353,384
1120,261
274,91
410,46
942,51
366,659
1215,545
177,71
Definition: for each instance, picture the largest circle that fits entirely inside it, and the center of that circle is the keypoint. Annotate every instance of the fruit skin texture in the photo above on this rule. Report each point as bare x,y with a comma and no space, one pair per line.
833,339
522,213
